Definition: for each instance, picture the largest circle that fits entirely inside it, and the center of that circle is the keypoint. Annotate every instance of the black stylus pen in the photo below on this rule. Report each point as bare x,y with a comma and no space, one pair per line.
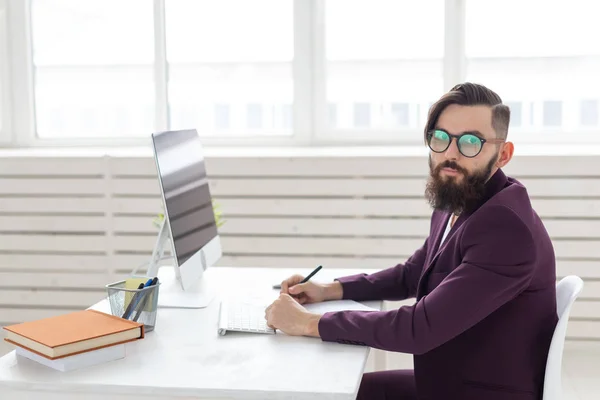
278,286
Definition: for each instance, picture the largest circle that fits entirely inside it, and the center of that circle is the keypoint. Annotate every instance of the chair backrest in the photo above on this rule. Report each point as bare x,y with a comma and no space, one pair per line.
567,291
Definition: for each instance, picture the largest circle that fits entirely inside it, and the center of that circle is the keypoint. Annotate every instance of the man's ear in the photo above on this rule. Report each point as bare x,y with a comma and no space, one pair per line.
506,154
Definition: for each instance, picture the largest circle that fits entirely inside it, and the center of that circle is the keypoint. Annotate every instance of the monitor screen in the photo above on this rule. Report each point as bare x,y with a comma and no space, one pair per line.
182,175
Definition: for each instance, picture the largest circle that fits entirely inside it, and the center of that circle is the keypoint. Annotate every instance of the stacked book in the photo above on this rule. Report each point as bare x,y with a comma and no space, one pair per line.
75,340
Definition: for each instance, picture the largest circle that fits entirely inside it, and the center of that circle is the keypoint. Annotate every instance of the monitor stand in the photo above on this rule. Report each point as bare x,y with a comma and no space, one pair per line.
171,291
172,295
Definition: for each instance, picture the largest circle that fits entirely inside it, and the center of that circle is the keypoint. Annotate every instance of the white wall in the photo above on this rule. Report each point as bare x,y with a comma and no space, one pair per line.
69,224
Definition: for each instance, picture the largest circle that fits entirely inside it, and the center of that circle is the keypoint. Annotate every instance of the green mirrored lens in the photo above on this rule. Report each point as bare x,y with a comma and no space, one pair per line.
439,140
440,135
469,145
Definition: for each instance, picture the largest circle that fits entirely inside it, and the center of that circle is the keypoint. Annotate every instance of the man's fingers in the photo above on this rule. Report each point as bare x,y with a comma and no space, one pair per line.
267,316
300,298
285,285
298,289
268,311
290,283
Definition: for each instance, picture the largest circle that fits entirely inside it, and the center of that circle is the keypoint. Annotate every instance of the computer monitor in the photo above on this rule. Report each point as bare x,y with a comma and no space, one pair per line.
189,220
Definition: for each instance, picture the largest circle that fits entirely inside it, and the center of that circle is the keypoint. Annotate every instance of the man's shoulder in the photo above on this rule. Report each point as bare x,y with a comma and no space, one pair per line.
514,197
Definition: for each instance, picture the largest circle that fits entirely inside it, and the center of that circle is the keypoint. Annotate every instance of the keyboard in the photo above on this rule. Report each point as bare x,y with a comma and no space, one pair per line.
242,316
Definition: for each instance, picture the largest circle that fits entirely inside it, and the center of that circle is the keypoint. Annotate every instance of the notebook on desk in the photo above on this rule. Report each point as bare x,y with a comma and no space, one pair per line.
249,316
73,333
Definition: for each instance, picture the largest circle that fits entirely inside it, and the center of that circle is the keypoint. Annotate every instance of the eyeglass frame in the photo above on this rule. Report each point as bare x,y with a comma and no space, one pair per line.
457,137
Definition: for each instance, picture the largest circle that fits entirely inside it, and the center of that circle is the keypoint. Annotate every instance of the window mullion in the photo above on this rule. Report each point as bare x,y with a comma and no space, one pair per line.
319,98
161,98
454,43
303,112
21,68
5,115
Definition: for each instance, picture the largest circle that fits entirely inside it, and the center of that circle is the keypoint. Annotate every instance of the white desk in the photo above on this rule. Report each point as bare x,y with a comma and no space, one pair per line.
185,358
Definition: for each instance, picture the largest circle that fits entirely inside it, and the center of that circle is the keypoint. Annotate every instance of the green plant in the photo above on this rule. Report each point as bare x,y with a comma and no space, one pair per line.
218,214
216,209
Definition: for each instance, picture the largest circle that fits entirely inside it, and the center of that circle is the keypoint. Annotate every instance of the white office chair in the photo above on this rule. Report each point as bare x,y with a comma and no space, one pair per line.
567,291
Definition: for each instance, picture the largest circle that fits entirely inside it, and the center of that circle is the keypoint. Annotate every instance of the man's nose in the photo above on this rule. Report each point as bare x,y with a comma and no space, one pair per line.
452,152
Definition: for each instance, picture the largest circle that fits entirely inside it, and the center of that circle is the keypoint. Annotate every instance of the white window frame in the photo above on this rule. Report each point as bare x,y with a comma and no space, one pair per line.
310,110
5,113
21,73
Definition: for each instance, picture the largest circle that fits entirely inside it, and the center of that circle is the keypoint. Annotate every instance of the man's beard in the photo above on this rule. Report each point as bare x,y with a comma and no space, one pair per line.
447,194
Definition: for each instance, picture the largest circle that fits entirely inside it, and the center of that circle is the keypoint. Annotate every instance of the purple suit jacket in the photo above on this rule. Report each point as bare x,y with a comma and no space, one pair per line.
485,307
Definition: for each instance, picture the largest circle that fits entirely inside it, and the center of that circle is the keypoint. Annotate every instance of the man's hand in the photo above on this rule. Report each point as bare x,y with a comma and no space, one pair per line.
310,292
287,315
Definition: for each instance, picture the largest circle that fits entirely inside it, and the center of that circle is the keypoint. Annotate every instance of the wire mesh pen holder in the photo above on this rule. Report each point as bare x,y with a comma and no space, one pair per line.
138,305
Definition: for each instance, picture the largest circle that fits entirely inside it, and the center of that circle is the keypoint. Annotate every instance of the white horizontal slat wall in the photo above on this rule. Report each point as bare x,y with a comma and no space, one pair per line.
70,225
53,235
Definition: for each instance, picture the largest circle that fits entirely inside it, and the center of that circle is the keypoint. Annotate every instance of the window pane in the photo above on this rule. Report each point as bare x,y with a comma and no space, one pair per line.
332,115
516,113
287,115
362,115
254,116
552,113
546,54
400,113
231,61
382,56
589,112
222,116
93,68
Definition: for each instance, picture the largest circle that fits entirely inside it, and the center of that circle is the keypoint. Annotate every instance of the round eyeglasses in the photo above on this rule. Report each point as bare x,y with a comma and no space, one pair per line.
469,144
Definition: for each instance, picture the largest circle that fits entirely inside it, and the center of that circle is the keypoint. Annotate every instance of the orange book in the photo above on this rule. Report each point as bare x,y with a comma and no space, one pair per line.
73,333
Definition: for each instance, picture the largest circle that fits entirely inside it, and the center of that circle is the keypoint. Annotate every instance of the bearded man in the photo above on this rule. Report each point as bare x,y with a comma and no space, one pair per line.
484,281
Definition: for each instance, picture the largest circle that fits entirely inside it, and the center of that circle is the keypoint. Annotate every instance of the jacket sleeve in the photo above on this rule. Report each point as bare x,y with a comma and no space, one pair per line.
395,283
498,262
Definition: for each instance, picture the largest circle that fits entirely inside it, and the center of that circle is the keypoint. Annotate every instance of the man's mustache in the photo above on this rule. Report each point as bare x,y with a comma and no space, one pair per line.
451,164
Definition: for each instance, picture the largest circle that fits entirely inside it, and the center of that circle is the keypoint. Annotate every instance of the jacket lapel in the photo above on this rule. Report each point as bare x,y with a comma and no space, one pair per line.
437,232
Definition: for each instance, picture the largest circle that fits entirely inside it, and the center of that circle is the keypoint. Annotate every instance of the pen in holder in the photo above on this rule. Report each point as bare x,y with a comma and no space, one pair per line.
138,303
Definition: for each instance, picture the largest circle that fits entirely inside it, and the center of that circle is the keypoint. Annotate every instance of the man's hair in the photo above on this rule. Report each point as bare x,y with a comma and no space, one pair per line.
472,94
